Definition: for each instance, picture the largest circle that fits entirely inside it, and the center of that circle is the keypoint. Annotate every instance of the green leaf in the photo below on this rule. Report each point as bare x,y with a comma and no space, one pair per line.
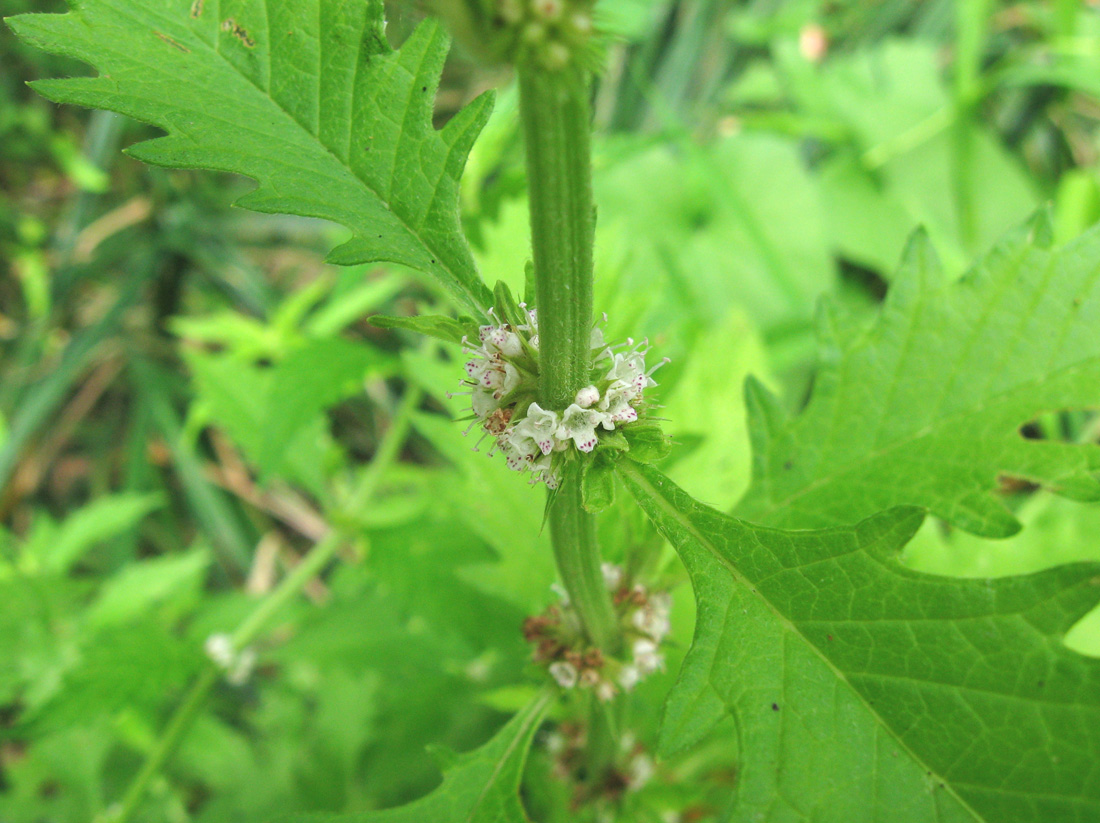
865,691
481,786
133,668
140,586
306,98
647,442
598,482
925,407
95,523
442,328
506,307
311,379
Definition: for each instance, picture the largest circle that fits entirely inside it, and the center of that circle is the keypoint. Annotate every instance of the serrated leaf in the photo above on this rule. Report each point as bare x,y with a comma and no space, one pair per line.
96,522
481,786
141,585
132,667
648,443
926,406
309,380
307,98
442,328
864,691
598,482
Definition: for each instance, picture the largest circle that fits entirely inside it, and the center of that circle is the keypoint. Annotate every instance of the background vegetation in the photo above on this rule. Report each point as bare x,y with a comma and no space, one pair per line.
190,398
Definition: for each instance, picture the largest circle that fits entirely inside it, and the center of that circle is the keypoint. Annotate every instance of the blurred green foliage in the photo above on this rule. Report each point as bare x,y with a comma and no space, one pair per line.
189,392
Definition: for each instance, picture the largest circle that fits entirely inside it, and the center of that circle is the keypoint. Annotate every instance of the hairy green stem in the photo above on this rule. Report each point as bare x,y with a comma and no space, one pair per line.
573,535
554,109
317,558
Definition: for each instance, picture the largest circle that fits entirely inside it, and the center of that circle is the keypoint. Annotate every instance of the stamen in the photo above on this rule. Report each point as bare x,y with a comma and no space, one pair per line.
664,361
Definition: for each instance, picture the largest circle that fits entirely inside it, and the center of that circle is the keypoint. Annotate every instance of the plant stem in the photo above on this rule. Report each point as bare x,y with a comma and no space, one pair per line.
317,558
554,109
573,536
166,744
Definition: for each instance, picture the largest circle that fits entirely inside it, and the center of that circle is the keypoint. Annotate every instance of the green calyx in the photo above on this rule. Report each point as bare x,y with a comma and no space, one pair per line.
551,34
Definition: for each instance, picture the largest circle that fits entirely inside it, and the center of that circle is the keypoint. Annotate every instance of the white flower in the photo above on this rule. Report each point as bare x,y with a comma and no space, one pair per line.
494,375
237,665
564,673
496,381
483,402
560,591
241,669
519,452
612,575
545,472
539,425
510,381
605,690
498,338
628,377
619,409
587,397
652,622
646,656
486,373
579,424
641,771
629,677
219,648
543,469
661,605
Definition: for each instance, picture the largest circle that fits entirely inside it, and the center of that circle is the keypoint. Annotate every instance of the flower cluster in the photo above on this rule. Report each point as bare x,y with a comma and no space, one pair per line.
630,769
552,34
561,647
550,31
237,665
502,381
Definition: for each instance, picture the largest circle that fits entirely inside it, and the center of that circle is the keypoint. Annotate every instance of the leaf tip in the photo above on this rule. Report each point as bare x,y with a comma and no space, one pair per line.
982,514
919,261
1040,227
891,529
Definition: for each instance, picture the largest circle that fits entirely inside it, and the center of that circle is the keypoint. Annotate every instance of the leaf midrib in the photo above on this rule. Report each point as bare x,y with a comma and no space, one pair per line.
535,715
314,138
625,467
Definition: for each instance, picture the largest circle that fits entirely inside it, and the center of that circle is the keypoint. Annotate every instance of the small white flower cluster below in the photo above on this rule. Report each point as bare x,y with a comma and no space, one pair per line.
644,617
237,665
502,379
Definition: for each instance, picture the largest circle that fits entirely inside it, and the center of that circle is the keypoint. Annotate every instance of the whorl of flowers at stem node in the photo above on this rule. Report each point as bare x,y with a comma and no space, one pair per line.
562,648
237,665
550,33
502,382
